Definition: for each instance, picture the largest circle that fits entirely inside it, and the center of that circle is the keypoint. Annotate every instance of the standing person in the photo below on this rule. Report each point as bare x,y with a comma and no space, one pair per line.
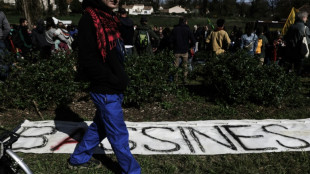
4,32
145,40
219,38
165,41
127,31
182,40
294,38
156,30
197,34
160,31
233,37
279,50
39,41
205,35
249,39
24,35
261,46
99,60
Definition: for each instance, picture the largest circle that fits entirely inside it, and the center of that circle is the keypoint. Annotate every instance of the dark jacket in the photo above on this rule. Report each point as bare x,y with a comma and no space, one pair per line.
154,40
25,36
38,36
127,31
294,38
106,77
182,39
5,26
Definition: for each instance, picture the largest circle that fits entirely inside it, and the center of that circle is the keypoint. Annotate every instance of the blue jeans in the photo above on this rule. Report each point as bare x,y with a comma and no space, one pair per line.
108,122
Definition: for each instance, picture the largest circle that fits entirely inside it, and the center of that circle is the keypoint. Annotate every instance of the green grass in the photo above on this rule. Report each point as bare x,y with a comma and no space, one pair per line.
277,163
270,163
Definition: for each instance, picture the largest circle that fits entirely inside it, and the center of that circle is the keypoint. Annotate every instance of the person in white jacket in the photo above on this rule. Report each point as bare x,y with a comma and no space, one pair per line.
63,35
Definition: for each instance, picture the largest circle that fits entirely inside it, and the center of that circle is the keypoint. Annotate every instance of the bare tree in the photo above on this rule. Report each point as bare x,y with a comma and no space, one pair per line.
32,10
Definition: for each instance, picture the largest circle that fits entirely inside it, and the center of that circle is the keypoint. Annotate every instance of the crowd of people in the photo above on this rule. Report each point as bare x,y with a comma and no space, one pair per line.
47,37
269,47
44,36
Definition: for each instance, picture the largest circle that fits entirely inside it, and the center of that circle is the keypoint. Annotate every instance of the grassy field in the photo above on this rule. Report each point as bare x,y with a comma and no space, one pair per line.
192,108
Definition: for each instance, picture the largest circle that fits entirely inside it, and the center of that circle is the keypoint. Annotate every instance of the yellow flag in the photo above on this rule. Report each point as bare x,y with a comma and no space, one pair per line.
289,21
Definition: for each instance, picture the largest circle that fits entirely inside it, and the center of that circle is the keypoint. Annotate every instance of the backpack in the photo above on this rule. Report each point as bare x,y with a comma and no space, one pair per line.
143,38
259,46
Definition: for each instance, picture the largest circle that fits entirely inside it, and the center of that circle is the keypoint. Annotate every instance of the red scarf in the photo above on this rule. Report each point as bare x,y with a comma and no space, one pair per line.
105,24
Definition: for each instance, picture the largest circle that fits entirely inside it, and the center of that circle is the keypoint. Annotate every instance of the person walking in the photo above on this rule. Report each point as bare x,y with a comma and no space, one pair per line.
99,61
182,40
219,38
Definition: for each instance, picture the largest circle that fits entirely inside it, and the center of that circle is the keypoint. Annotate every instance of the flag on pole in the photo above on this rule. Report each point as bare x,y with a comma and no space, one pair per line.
210,23
289,21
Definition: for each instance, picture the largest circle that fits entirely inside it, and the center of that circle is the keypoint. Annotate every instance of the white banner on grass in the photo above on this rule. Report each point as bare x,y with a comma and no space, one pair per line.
193,138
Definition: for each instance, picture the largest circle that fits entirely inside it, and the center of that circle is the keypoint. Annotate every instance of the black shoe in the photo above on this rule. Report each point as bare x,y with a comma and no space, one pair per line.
92,163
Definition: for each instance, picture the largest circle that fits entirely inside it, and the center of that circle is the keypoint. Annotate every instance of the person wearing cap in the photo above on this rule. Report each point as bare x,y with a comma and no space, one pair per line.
100,62
153,39
127,31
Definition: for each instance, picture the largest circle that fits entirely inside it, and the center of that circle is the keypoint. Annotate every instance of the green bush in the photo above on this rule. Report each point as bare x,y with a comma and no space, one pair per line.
237,78
46,82
149,78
